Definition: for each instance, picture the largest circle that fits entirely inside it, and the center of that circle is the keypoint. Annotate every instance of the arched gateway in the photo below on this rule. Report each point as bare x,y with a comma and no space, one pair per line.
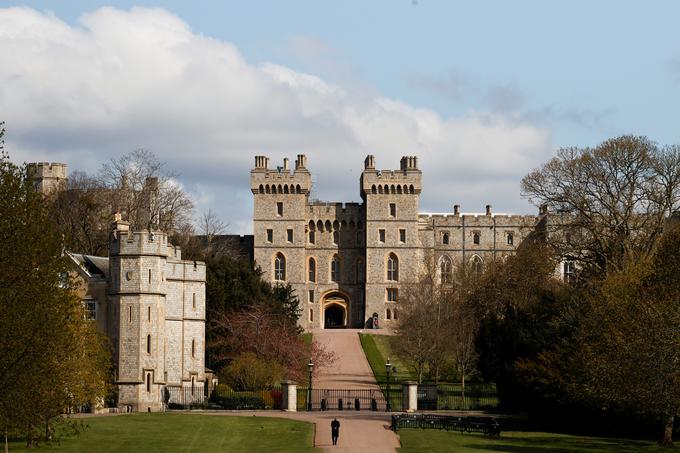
335,310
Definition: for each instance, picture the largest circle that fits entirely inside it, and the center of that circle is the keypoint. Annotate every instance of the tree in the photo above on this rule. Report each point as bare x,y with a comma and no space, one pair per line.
51,359
610,202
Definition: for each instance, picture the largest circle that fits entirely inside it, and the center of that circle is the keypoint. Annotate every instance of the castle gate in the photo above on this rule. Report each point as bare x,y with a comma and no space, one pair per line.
335,310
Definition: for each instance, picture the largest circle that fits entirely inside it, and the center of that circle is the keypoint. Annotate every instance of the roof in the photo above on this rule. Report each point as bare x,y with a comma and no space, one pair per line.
95,266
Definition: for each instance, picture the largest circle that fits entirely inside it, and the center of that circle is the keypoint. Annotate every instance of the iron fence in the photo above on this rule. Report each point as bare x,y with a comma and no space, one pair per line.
485,425
475,396
223,397
348,399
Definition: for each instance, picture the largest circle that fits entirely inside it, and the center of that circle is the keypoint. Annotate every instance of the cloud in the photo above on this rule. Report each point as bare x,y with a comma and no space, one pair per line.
124,79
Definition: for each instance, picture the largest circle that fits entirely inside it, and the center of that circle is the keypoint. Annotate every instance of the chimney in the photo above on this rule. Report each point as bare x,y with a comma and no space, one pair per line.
119,225
285,164
488,209
456,209
261,162
301,162
369,163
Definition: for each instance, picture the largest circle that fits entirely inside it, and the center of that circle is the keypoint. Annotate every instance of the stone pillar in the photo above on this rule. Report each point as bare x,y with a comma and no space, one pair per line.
410,400
289,402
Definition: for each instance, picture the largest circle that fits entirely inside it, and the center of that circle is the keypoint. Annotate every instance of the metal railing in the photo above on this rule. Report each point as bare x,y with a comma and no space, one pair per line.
485,425
223,397
347,399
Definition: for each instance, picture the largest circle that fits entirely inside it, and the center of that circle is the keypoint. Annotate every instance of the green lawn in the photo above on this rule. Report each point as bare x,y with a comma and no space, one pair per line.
426,441
186,432
377,349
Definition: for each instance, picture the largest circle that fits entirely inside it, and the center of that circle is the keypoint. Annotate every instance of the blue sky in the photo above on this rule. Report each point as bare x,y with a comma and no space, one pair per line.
534,75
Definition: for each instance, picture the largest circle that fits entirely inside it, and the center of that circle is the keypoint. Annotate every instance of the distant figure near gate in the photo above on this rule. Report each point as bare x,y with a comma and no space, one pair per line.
335,430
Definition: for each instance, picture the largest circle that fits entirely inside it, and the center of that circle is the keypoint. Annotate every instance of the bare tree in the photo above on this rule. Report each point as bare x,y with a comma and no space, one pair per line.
610,201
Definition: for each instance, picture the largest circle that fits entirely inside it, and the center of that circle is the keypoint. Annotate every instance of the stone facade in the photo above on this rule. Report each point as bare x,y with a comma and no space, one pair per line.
346,261
151,304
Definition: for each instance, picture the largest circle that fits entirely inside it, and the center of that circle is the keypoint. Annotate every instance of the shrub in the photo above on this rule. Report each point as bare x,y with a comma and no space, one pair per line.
249,372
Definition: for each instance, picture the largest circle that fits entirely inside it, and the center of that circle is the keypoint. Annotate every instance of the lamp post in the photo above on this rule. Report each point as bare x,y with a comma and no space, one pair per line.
388,368
310,366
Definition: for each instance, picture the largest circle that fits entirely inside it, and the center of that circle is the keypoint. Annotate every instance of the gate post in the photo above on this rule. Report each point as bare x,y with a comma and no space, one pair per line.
410,398
289,396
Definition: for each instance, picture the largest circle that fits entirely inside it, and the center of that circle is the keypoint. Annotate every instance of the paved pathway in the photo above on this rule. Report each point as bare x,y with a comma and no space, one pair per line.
359,431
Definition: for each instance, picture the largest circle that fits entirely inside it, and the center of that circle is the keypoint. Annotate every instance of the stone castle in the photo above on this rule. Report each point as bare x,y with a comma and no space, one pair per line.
347,261
150,304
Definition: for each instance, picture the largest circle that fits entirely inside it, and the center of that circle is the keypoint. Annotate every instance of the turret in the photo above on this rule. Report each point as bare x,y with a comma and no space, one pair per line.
48,178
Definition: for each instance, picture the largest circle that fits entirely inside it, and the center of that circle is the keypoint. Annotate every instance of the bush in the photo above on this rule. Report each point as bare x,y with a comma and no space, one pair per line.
240,402
249,372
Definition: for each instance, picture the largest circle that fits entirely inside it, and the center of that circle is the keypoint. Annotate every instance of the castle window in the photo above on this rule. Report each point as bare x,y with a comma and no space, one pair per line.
130,313
148,314
279,267
148,382
475,238
373,189
381,235
312,237
393,209
261,188
193,385
336,237
149,276
392,294
311,268
360,271
289,235
148,344
392,267
270,235
311,315
193,301
445,238
402,236
509,239
279,208
389,314
310,296
90,310
445,270
477,264
193,348
569,271
335,269
394,314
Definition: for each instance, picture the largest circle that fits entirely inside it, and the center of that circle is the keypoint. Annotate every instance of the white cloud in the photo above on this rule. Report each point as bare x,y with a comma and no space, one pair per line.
141,78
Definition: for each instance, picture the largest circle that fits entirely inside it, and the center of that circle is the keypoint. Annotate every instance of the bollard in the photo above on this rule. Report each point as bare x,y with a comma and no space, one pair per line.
357,404
374,405
323,405
340,406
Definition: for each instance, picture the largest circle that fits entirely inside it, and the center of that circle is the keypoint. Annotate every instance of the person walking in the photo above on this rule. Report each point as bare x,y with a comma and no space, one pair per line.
335,430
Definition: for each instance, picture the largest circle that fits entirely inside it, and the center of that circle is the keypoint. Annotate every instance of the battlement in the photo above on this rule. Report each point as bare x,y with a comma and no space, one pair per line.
340,211
185,270
406,180
48,170
476,218
280,180
139,243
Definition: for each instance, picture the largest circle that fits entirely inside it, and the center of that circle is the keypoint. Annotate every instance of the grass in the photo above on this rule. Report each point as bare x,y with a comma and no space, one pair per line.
377,349
416,440
185,432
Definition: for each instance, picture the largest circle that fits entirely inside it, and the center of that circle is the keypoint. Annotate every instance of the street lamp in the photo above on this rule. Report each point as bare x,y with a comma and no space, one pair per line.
388,368
310,366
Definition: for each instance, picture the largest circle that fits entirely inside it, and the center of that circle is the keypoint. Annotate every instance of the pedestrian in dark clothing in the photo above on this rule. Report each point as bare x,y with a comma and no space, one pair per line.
335,430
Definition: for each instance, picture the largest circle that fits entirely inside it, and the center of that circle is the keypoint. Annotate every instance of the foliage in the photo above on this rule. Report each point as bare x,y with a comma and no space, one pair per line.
248,372
610,201
241,402
377,349
53,360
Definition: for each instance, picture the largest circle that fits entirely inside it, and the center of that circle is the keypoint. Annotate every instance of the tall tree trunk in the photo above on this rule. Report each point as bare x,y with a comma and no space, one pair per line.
667,436
462,386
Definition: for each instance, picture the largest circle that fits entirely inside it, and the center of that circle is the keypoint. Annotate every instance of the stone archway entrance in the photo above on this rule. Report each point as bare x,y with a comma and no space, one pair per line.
335,311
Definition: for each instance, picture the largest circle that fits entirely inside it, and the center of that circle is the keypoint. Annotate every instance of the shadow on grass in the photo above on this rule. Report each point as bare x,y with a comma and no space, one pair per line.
560,444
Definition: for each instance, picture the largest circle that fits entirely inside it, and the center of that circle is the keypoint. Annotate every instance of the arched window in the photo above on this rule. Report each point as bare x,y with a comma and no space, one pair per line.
193,348
267,189
335,269
336,237
311,269
261,188
280,267
361,276
399,189
148,344
477,264
394,314
392,267
373,189
446,270
475,238
445,238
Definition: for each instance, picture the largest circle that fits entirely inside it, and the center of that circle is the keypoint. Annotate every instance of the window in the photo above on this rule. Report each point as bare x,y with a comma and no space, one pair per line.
445,238
279,267
148,314
193,385
402,236
477,264
569,268
279,208
289,235
270,235
394,314
336,237
311,315
381,234
149,276
90,310
393,209
392,294
360,271
388,315
148,344
311,270
335,269
310,296
312,237
475,238
193,301
193,348
148,382
392,267
445,270
509,239
130,313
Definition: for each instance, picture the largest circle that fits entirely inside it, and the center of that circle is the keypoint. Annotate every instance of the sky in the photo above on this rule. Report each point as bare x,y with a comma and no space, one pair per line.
483,92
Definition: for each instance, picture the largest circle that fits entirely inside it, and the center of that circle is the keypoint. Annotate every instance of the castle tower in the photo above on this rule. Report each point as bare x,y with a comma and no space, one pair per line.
48,178
136,269
393,250
280,197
